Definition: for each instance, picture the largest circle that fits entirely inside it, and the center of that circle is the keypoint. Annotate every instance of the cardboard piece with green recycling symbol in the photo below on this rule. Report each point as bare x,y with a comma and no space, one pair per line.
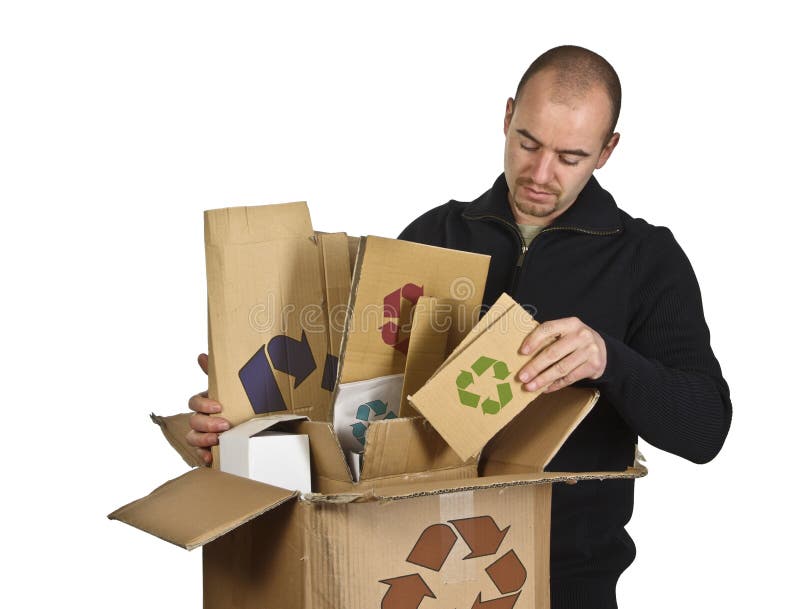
465,379
475,393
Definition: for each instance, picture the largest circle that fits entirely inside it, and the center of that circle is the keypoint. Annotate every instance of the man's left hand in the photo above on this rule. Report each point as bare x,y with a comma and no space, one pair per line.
565,351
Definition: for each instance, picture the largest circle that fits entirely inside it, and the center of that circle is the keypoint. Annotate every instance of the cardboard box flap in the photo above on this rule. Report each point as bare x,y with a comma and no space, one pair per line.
439,487
259,223
406,446
200,506
327,458
282,422
175,428
538,432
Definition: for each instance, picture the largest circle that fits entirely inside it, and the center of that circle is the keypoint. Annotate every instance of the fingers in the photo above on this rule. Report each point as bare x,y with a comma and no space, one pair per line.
565,351
204,433
202,361
564,370
203,404
551,356
205,429
545,334
205,424
205,455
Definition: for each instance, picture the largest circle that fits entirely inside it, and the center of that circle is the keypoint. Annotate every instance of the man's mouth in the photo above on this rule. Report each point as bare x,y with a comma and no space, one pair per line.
534,193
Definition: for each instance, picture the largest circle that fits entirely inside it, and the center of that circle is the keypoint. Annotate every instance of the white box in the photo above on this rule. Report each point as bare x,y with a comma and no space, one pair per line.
253,450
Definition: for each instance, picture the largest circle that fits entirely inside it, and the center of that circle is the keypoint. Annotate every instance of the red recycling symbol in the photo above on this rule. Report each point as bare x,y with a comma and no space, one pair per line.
483,537
390,330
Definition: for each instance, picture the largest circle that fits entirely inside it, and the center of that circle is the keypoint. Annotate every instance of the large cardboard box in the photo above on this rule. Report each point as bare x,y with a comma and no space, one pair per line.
431,522
421,527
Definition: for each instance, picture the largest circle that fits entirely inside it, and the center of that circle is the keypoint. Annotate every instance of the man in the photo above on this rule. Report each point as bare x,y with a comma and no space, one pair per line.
619,302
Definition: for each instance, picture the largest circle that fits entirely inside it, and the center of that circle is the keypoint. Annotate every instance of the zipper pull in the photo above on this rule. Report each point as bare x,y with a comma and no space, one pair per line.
521,255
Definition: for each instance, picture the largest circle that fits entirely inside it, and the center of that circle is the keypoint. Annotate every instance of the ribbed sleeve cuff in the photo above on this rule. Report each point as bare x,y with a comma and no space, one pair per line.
588,594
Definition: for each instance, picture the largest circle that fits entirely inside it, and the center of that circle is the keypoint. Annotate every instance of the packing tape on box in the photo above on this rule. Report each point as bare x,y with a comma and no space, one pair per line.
458,506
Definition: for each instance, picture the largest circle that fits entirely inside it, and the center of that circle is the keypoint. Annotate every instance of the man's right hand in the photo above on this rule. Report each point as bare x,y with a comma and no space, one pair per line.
205,429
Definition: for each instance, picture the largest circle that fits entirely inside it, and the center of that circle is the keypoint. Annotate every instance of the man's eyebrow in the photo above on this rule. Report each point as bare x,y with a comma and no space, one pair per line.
577,152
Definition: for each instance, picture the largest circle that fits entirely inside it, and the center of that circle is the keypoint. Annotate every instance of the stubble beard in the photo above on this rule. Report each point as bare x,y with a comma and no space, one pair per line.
536,210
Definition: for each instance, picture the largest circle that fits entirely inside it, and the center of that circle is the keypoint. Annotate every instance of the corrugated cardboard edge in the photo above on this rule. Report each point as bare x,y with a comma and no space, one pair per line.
175,428
354,283
397,494
428,489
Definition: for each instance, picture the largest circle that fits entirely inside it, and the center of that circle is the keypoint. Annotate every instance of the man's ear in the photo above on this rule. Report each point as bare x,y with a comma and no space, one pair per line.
509,113
607,150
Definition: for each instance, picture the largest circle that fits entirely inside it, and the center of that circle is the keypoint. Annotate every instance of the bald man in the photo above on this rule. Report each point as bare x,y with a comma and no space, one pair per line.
619,302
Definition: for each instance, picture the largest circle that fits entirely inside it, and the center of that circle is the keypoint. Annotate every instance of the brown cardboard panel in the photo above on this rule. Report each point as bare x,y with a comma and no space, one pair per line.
175,428
427,346
260,564
389,278
334,249
538,432
434,551
339,492
406,446
477,393
200,506
353,243
327,459
268,337
542,504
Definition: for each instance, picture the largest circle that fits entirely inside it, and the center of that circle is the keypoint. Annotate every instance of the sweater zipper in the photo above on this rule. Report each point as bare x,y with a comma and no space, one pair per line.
523,249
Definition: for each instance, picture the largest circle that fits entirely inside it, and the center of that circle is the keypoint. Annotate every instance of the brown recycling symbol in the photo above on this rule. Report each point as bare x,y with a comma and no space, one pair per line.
483,537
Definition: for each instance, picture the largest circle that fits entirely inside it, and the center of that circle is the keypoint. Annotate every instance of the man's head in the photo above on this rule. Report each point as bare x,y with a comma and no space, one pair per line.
559,128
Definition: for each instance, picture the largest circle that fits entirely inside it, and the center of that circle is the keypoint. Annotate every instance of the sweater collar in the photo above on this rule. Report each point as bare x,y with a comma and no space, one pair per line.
593,211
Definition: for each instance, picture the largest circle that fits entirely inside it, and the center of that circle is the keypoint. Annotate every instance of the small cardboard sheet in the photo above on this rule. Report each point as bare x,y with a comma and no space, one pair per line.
389,278
269,344
475,393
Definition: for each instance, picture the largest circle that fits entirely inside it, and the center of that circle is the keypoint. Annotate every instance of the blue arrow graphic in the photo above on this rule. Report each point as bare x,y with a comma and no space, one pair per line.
260,385
292,356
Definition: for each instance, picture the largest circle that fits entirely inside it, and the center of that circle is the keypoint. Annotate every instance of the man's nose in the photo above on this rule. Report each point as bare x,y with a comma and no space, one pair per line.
542,170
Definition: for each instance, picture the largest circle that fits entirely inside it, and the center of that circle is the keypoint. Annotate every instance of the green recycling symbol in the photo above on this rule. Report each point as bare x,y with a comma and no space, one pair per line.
488,405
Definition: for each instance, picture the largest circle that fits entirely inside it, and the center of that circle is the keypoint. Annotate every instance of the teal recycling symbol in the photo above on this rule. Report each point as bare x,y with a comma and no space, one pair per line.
370,411
490,404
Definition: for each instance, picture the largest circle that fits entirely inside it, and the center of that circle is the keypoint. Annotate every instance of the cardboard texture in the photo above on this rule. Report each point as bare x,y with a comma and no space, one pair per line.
268,335
175,428
456,542
388,280
427,346
476,393
334,251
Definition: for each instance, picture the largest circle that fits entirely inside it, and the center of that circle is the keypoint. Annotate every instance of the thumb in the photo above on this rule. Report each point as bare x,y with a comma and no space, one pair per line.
202,359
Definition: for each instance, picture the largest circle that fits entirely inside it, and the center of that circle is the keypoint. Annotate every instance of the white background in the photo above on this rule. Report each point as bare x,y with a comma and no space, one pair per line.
121,122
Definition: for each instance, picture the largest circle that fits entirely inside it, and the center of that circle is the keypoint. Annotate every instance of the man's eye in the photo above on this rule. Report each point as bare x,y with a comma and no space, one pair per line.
529,147
568,161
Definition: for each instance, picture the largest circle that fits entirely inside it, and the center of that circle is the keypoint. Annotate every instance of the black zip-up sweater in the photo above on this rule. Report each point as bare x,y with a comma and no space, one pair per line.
632,283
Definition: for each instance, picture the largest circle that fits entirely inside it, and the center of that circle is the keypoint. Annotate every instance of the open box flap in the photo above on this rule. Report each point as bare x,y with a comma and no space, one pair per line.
538,432
200,506
406,446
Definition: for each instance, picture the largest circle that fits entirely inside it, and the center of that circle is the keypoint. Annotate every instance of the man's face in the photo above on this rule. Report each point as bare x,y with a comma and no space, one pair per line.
552,147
